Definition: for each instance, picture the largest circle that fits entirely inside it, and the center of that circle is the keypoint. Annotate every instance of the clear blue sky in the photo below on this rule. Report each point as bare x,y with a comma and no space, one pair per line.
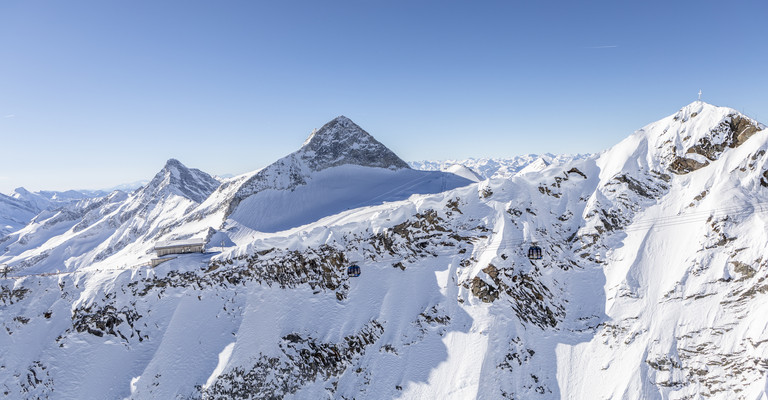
98,93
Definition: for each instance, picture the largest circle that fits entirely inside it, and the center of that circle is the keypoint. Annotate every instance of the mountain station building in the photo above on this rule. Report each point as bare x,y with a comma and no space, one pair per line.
180,247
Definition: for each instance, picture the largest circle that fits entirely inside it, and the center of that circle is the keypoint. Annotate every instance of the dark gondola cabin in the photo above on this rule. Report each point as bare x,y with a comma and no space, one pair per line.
534,252
353,271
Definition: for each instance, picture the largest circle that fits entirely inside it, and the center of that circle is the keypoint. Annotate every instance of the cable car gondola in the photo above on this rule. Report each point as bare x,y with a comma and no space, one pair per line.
353,271
534,252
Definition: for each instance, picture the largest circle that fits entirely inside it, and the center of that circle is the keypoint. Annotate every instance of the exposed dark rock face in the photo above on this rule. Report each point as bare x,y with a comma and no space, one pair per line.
483,291
303,359
10,295
739,129
731,133
649,189
99,321
341,141
575,170
530,298
322,269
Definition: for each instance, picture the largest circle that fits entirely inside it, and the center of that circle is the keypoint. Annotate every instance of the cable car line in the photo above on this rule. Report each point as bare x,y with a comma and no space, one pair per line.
659,222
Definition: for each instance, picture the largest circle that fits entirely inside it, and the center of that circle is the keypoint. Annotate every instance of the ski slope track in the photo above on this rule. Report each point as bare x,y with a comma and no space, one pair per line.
652,283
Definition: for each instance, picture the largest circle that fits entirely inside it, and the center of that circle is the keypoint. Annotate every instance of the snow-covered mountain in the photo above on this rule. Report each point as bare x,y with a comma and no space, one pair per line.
339,167
651,284
92,230
676,224
14,214
18,208
498,167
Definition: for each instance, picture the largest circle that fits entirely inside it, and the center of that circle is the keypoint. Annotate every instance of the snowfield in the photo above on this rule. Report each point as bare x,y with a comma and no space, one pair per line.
651,285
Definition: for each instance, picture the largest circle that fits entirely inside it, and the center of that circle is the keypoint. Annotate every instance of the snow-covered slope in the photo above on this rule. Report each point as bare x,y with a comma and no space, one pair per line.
651,286
464,172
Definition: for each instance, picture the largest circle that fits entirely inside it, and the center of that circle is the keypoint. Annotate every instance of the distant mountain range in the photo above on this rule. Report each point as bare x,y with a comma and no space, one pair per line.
500,167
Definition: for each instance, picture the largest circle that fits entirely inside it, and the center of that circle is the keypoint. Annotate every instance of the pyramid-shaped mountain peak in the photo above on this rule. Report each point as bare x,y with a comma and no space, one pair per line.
342,141
339,128
177,178
174,164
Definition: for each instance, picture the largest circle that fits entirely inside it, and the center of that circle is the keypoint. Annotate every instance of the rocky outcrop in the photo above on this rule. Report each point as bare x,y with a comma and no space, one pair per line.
107,320
9,295
532,301
322,269
302,359
732,132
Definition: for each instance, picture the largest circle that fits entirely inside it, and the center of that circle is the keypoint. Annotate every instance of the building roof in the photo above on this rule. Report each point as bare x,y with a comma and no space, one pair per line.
179,243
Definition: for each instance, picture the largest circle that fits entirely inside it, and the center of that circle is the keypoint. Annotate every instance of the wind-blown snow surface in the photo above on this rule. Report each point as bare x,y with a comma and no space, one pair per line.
651,287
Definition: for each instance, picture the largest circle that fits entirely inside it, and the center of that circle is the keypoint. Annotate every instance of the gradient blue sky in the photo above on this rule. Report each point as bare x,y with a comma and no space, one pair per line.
98,93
